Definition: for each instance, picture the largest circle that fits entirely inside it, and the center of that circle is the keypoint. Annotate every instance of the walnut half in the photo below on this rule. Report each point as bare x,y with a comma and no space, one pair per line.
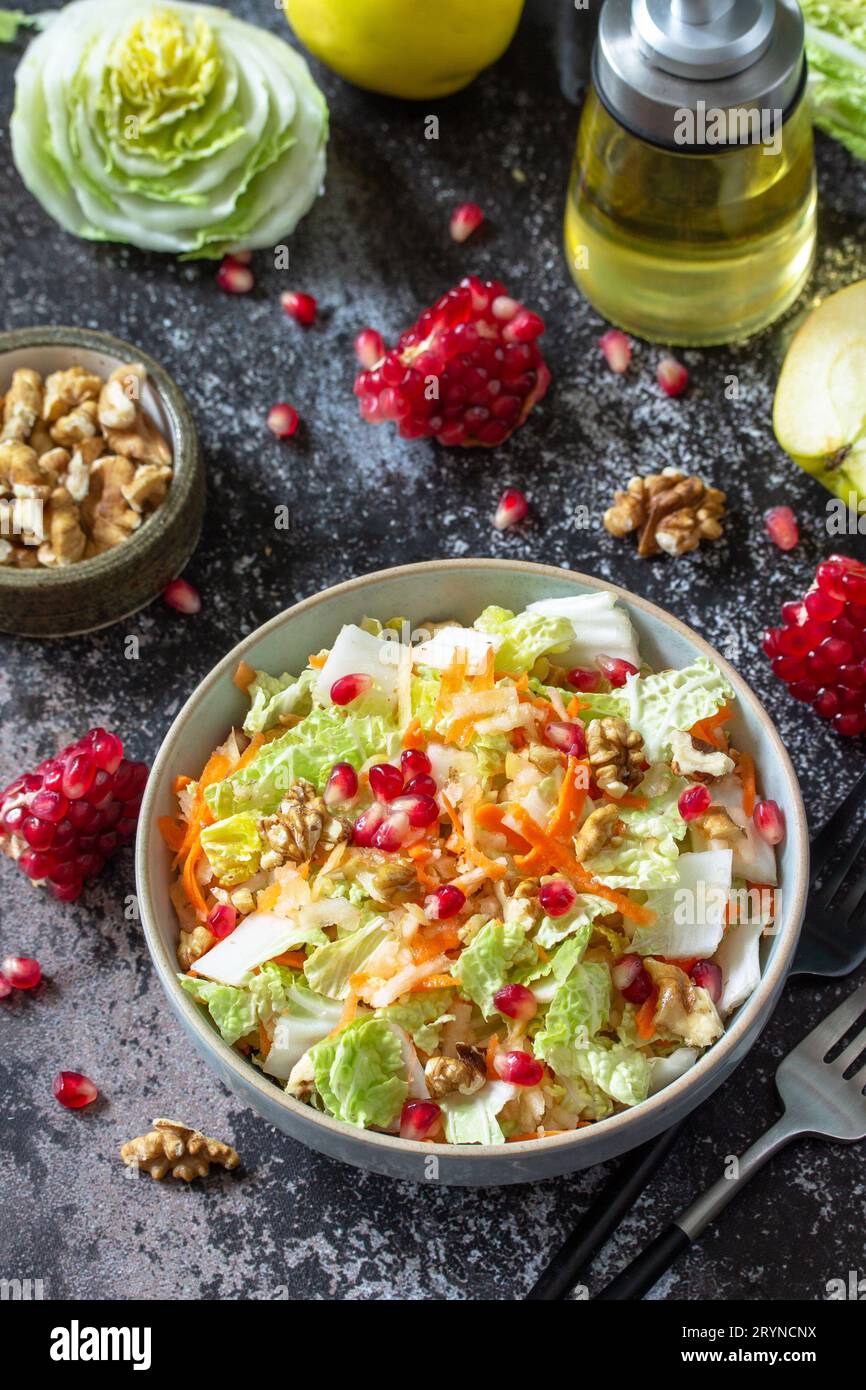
171,1147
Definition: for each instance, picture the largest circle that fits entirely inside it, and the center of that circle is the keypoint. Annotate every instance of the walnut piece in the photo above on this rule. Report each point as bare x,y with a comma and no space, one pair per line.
81,423
22,405
717,824
68,541
684,1008
595,832
301,823
464,1074
20,472
696,759
615,754
67,389
192,944
670,511
171,1147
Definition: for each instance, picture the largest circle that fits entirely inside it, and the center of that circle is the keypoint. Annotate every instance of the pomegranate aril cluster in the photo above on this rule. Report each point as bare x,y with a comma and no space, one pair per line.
478,346
404,806
62,821
819,650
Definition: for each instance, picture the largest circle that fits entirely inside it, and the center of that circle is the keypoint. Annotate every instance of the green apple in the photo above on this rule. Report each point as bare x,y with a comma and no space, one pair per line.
820,410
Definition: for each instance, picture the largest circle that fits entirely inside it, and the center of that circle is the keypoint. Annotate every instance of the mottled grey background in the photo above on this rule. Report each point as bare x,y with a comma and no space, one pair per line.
375,250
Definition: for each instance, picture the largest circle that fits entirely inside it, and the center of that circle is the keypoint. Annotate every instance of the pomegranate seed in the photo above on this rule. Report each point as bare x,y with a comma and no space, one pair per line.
39,834
342,785
707,975
556,897
582,679
130,780
50,806
222,920
78,776
37,864
672,376
516,1001
101,790
829,577
421,810
386,781
444,902
419,1119
782,527
414,762
301,307
524,327
465,219
22,972
616,347
822,606
518,1068
567,737
82,815
850,725
181,596
5,987
367,824
282,420
393,832
107,752
349,688
694,801
234,277
511,509
769,821
83,866
74,1090
369,348
615,670
67,893
632,978
422,785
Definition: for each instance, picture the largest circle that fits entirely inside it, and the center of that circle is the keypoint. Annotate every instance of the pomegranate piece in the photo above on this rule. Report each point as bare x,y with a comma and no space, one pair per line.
282,420
556,897
567,737
301,307
782,527
222,920
386,781
769,821
342,785
581,679
419,1119
181,596
234,276
74,1090
516,1001
367,824
63,837
468,372
22,972
444,902
422,785
672,376
422,810
511,509
393,832
518,1068
694,801
632,978
707,975
369,348
465,219
414,763
615,670
819,650
349,688
616,347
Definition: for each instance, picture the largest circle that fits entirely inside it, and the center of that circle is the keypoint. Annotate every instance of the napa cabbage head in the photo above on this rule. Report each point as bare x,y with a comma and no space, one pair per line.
173,126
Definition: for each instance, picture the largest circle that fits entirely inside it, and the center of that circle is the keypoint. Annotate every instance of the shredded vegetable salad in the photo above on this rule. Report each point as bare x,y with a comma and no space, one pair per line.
475,884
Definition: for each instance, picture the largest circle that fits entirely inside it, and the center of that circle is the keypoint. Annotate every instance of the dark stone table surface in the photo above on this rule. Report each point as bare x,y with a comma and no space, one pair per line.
374,250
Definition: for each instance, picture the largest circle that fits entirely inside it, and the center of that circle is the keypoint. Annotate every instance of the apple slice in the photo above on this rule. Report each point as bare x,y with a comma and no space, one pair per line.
820,409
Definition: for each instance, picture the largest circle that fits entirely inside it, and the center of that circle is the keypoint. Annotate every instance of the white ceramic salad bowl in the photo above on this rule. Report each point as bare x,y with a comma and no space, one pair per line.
459,589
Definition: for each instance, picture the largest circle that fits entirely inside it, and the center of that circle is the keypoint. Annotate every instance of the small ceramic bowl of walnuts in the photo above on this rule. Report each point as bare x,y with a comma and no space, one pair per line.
101,480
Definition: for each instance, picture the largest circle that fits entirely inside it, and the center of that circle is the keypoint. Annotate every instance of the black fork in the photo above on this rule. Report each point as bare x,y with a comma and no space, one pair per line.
833,943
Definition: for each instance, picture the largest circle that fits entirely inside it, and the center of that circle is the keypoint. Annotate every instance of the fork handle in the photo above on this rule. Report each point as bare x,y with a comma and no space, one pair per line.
638,1277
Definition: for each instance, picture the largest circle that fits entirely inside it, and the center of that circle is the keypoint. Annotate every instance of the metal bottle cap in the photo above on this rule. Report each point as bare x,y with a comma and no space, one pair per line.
656,59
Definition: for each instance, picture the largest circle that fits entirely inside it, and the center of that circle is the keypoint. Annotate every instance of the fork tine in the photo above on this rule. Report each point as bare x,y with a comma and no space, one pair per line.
830,888
851,900
852,1052
829,836
831,1028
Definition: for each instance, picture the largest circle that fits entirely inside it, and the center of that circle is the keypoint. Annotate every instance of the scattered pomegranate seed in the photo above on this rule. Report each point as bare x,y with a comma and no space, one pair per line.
5,987
632,978
22,972
444,902
707,975
369,348
518,1068
367,824
393,832
819,651
511,509
516,1001
222,920
582,679
769,821
480,348
616,347
782,527
282,420
694,801
465,219
342,785
349,688
63,837
615,670
234,276
556,897
74,1090
422,785
386,781
414,763
301,307
419,1119
181,596
567,737
672,376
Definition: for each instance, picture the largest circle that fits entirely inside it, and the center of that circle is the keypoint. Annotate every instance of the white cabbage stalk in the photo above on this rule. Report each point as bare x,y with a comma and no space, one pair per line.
173,127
